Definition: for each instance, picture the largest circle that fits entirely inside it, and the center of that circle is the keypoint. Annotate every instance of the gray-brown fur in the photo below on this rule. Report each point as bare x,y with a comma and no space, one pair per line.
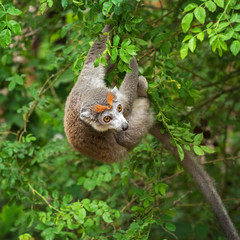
104,144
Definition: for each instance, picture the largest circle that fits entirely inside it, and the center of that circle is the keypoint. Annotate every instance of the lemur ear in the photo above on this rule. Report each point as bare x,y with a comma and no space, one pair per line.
85,114
115,90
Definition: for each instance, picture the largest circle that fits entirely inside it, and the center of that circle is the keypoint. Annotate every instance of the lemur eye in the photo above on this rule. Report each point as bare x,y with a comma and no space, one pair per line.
119,108
107,119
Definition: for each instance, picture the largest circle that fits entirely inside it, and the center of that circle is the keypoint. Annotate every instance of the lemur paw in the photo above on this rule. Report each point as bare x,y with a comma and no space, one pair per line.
142,87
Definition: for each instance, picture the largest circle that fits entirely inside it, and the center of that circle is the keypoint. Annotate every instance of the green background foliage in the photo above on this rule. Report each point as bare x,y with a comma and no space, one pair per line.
49,191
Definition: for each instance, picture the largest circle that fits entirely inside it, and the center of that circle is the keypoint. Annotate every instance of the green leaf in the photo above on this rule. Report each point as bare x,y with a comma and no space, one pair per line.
190,6
125,43
237,27
104,61
136,20
180,152
207,149
106,7
107,218
99,212
184,51
170,227
220,3
117,2
120,66
30,138
50,3
200,36
140,41
235,47
237,7
166,47
97,28
146,203
187,147
25,236
116,40
89,184
187,37
64,3
196,30
124,56
67,199
107,177
14,11
82,213
198,150
192,44
131,49
235,18
211,6
227,35
222,44
43,7
5,37
3,24
222,26
88,223
209,24
200,14
198,139
186,22
11,85
114,55
97,61
128,27
15,27
162,190
214,44
2,13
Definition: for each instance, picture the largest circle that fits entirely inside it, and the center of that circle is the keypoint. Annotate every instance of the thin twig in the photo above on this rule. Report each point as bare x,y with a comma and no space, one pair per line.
128,204
169,232
205,204
44,199
172,176
183,196
222,159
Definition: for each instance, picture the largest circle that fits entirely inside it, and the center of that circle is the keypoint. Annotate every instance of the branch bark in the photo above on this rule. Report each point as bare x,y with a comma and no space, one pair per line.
204,182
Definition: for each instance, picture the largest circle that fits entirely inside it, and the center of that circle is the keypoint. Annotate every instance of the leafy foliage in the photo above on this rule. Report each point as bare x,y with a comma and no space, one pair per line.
222,27
48,190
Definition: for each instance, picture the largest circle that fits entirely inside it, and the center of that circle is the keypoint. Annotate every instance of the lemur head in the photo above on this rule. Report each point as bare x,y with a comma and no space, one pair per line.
102,110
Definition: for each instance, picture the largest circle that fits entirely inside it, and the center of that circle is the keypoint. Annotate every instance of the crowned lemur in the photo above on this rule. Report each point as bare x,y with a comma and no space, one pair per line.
105,123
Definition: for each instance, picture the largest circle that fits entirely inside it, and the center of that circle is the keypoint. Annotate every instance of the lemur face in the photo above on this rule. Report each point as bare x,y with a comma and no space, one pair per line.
105,117
112,119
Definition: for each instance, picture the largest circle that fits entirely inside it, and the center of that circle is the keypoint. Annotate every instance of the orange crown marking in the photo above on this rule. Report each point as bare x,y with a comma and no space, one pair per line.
101,108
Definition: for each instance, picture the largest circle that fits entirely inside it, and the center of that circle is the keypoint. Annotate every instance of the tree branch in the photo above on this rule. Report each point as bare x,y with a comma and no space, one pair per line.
204,182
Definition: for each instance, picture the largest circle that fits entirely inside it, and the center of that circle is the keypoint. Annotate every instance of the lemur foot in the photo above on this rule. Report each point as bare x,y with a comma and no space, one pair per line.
142,87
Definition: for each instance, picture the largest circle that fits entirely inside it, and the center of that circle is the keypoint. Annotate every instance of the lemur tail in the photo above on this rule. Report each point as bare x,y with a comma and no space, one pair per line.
204,182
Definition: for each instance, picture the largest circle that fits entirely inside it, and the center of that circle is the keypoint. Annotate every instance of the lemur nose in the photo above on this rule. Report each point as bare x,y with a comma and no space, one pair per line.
124,126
